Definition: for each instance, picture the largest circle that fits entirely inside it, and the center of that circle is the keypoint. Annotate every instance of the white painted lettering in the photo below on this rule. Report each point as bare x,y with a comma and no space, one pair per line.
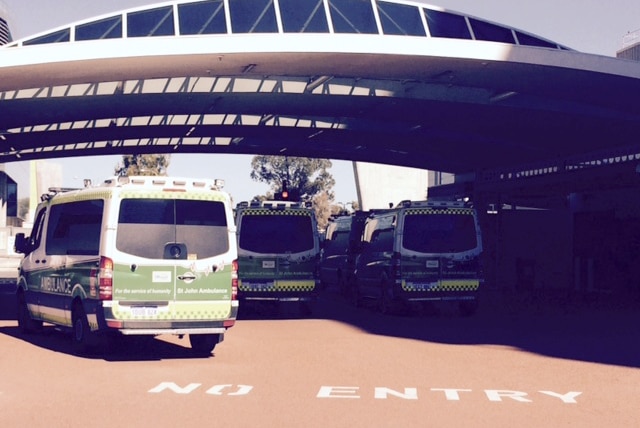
175,388
452,394
569,397
497,394
338,392
242,390
409,393
218,390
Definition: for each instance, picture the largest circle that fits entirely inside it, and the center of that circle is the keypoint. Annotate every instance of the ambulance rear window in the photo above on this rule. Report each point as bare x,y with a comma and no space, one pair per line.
145,226
439,232
276,234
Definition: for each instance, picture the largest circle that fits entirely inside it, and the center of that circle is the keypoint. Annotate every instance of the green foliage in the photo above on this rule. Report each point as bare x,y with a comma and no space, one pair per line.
305,176
143,165
323,209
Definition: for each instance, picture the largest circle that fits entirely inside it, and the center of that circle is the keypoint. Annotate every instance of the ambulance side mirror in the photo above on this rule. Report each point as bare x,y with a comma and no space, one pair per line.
21,244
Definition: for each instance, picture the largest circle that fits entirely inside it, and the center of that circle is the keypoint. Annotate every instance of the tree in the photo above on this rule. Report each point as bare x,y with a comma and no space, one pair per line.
143,165
322,207
305,176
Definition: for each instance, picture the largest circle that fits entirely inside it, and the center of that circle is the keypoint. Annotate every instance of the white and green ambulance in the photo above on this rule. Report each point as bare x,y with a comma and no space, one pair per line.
278,252
420,252
145,255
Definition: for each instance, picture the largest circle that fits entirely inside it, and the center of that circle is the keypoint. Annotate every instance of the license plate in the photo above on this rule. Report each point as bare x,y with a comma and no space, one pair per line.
424,286
144,311
261,286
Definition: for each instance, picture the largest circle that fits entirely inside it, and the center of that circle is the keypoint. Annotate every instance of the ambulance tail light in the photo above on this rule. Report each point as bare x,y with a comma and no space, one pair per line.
105,279
234,280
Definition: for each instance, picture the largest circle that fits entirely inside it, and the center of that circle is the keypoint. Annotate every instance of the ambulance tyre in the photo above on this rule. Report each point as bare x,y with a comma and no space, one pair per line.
305,308
26,324
354,294
386,302
81,336
203,343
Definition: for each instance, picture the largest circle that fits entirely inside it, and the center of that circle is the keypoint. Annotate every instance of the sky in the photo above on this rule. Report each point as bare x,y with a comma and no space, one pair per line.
591,26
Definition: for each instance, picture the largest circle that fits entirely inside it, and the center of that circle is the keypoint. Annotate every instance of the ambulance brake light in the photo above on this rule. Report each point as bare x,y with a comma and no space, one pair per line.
234,280
105,279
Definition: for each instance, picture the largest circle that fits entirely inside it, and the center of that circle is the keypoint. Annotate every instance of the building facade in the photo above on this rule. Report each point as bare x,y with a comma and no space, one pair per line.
630,46
5,33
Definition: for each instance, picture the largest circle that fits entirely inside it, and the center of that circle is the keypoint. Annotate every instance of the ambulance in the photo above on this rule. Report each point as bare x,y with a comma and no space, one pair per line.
143,255
418,252
339,250
278,252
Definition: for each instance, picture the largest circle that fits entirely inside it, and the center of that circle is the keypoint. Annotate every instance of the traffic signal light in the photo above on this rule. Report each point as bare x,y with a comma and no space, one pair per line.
285,194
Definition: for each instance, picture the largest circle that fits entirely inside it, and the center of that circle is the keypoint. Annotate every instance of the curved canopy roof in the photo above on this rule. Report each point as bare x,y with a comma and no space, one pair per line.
395,82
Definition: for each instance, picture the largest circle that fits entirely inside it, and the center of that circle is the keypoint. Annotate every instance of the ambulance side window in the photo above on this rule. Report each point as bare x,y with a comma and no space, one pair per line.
382,240
74,228
36,234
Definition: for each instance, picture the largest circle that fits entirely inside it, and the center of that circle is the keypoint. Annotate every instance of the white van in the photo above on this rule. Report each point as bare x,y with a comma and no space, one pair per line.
144,255
420,251
278,252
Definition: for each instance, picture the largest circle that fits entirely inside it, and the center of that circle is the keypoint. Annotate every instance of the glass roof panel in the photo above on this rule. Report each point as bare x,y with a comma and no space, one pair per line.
526,39
400,19
303,16
151,23
56,37
108,28
253,16
490,32
447,25
205,17
353,16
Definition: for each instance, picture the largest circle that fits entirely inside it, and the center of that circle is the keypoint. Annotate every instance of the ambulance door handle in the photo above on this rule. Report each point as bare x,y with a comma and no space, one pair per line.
187,277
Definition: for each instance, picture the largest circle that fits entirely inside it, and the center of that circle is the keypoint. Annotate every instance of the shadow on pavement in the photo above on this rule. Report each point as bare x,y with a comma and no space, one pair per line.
604,330
131,348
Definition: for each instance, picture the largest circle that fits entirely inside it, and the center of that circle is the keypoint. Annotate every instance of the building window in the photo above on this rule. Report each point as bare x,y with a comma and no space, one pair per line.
253,16
57,37
447,25
491,32
110,28
400,19
303,16
525,39
12,198
151,23
205,17
353,16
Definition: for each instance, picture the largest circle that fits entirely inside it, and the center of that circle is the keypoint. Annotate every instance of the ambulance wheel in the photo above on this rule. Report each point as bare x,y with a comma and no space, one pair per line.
203,343
81,332
354,294
305,308
386,303
25,322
